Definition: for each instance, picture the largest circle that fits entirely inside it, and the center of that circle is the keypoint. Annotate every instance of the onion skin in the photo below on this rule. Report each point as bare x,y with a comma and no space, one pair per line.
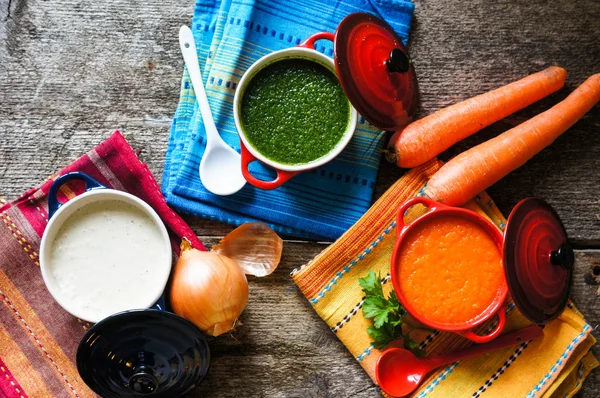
208,289
254,246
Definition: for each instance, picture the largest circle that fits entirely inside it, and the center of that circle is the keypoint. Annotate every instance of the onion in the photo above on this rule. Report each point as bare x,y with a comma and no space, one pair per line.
254,246
208,289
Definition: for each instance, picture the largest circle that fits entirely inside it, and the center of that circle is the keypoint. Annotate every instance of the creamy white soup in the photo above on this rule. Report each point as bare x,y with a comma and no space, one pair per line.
107,257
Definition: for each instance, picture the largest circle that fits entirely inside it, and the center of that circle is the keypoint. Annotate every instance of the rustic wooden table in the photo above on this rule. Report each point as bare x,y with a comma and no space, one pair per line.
72,71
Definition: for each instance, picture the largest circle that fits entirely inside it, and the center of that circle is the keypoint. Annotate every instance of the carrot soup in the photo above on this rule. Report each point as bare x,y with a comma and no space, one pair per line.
450,270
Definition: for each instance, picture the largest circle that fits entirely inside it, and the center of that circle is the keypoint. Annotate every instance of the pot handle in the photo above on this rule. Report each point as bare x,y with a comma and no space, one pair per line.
310,42
432,205
469,334
160,304
53,203
282,176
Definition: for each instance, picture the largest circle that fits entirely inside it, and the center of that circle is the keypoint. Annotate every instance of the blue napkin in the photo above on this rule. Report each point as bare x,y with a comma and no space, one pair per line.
230,35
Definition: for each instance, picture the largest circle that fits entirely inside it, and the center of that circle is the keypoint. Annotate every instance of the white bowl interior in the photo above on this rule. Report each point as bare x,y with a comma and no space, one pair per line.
163,269
289,53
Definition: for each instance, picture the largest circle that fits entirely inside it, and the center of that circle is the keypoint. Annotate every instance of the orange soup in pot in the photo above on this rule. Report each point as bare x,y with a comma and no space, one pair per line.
450,270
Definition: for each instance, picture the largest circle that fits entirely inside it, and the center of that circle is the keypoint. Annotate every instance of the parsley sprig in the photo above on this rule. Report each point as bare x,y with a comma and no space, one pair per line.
388,315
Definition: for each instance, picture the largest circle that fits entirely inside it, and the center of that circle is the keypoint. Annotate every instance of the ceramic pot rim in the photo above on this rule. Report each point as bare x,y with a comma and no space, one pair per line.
290,53
56,221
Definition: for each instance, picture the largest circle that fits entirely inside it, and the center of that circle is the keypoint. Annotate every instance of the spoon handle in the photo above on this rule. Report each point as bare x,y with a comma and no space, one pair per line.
190,56
507,340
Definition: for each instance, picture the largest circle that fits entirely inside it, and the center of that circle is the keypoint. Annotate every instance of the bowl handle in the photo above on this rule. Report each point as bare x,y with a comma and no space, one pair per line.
310,42
469,334
432,205
160,304
53,203
282,176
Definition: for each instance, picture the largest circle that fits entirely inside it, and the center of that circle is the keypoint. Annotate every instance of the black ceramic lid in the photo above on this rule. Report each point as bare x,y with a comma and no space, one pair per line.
147,353
375,71
538,261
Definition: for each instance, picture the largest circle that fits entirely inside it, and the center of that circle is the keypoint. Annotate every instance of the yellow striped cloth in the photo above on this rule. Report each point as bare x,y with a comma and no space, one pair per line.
551,366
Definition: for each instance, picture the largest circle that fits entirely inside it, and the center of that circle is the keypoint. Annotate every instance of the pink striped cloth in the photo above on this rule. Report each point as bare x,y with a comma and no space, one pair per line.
38,339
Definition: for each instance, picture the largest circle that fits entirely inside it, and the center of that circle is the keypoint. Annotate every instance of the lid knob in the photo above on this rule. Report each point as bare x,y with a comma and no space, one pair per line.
143,381
563,256
398,61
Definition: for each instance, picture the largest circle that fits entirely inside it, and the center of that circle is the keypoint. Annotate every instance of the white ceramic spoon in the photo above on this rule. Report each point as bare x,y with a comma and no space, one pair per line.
221,165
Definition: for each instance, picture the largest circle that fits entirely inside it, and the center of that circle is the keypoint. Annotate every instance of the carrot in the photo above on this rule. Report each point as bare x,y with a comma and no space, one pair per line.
426,138
474,170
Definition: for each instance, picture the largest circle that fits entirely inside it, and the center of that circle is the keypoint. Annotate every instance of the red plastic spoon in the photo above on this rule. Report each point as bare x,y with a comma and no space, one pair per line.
399,372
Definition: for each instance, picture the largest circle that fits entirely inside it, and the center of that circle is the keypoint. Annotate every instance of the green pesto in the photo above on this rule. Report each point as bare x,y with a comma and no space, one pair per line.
294,111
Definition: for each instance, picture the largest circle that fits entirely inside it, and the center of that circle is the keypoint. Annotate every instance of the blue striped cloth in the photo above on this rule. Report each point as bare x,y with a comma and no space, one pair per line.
230,35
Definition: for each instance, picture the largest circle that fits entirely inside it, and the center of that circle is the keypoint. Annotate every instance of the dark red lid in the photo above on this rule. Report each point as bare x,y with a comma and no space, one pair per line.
375,71
538,261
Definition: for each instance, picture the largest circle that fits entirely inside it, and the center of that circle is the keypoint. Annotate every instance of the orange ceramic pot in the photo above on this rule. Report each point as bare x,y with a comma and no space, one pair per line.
406,236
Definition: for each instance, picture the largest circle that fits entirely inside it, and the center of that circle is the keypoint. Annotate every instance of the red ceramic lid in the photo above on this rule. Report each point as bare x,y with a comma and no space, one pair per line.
538,261
375,71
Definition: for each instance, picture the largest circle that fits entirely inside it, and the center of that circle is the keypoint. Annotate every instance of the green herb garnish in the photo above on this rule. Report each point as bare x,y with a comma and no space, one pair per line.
387,315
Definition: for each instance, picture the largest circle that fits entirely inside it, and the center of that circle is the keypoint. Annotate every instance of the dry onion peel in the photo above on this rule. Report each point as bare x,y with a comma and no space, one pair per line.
254,246
208,289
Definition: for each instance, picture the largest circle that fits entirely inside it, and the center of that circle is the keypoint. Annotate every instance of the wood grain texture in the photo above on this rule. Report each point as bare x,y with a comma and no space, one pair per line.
72,71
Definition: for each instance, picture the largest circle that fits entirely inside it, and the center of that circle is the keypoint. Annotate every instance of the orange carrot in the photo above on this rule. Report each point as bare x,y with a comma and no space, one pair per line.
474,170
426,138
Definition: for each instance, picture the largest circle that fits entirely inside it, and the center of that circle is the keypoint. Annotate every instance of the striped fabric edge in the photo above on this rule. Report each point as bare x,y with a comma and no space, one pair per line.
569,380
356,308
16,359
587,364
449,369
19,236
352,263
53,355
580,375
560,363
9,386
488,383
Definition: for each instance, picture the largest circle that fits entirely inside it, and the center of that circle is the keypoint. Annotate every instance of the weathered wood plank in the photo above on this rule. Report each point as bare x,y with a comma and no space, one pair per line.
72,71
285,349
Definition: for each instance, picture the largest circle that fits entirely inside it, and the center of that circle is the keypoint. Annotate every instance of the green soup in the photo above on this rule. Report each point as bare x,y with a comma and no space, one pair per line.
294,111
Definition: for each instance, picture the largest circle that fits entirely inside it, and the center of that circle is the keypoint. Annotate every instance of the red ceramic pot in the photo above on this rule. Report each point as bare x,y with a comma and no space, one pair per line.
304,51
435,210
